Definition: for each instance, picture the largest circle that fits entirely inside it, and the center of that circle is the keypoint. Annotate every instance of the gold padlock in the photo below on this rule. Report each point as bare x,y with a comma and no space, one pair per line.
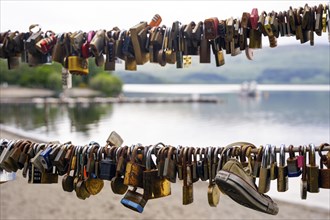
77,65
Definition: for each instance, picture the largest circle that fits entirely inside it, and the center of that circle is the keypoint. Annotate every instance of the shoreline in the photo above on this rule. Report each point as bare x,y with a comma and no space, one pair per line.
57,194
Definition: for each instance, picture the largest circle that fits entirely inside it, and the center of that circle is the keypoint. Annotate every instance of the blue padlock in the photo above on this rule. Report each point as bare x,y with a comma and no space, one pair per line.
134,201
44,158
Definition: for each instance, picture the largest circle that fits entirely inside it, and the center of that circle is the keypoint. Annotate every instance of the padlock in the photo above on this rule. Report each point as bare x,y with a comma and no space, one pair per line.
59,162
134,170
154,186
281,24
110,50
264,176
300,158
140,55
85,48
306,18
44,158
211,28
213,191
67,180
33,39
324,174
257,162
80,185
273,163
77,40
134,200
254,18
108,165
97,43
312,171
292,20
292,161
11,163
78,65
46,44
187,188
204,50
179,157
170,168
255,39
10,146
263,19
282,177
195,176
303,181
160,161
114,139
274,24
161,55
117,183
318,20
202,165
93,183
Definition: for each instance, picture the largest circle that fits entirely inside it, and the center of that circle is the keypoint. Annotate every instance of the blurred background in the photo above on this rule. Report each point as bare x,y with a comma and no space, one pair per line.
290,105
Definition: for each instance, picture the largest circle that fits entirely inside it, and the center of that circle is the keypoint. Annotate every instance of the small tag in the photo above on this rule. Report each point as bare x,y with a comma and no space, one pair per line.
186,61
114,139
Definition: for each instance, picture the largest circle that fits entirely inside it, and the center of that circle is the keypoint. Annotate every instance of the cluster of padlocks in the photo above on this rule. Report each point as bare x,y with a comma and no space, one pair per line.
156,43
240,170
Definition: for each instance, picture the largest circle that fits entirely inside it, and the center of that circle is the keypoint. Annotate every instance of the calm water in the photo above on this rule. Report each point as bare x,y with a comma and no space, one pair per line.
282,118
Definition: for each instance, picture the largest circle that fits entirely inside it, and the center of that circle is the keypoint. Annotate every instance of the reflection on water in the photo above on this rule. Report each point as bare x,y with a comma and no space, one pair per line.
49,118
281,112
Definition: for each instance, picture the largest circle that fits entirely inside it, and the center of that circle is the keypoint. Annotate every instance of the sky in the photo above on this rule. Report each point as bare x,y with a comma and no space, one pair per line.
65,16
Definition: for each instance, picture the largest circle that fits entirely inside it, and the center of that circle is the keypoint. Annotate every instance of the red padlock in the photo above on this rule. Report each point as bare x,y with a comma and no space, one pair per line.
211,28
254,18
46,44
85,50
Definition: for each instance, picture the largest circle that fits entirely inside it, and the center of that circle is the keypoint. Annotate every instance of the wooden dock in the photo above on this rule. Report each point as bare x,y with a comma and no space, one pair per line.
110,100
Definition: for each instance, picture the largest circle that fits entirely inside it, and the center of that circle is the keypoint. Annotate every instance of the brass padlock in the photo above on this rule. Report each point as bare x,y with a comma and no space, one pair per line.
213,191
93,183
140,55
312,171
264,176
134,170
187,188
324,174
273,163
78,65
282,178
154,186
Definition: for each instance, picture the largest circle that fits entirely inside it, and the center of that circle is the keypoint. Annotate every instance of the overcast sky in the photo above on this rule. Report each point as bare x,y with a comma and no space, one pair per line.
63,16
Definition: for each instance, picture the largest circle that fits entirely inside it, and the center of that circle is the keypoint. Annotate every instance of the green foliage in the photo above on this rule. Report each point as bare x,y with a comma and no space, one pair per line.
50,77
106,83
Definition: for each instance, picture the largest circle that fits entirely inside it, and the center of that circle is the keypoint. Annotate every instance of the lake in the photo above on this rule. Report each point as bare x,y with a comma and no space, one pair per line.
276,117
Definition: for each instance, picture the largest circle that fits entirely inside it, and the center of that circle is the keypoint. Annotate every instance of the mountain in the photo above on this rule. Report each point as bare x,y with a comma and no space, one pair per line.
284,64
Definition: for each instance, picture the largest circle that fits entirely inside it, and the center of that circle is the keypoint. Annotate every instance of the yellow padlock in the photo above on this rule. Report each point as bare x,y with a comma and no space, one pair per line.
78,65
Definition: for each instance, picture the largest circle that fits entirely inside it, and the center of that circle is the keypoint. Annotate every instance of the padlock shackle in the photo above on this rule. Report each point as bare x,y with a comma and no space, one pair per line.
311,155
282,155
273,154
265,161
